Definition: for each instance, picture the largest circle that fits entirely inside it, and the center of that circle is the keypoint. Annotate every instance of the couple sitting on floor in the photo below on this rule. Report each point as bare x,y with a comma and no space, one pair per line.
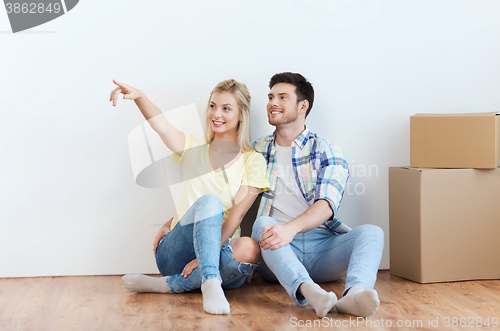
296,240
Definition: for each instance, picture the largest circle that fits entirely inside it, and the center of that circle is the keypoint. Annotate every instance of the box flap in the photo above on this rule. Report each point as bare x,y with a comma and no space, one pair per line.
493,113
497,140
404,222
407,168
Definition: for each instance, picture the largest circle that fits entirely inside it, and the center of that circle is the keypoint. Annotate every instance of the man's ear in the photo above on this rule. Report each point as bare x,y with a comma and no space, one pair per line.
303,106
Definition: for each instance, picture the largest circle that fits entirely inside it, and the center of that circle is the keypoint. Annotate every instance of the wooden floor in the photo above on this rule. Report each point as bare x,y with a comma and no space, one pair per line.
102,303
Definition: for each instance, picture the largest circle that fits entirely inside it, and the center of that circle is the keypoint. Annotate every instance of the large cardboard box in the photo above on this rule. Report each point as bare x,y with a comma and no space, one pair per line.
455,140
444,224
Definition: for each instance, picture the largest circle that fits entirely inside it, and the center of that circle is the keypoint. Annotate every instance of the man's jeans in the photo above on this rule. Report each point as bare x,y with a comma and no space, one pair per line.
198,236
322,256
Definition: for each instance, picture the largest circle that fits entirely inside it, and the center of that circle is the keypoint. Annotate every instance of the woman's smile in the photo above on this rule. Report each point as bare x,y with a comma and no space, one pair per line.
218,123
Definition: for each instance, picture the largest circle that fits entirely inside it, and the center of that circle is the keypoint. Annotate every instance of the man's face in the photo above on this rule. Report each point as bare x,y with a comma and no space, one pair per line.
282,107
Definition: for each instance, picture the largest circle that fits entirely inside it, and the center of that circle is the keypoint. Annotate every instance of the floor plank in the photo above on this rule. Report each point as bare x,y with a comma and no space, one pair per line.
102,303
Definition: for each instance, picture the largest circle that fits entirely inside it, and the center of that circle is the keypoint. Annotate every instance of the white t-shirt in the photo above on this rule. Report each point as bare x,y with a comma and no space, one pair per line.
288,201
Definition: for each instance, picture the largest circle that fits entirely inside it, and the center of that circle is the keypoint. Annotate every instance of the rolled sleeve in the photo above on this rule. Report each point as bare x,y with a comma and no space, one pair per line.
332,178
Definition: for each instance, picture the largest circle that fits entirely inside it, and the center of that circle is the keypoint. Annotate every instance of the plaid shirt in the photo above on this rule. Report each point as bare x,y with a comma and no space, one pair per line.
320,170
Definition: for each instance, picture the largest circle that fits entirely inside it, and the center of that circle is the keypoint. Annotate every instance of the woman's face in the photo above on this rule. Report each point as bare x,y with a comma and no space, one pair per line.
223,113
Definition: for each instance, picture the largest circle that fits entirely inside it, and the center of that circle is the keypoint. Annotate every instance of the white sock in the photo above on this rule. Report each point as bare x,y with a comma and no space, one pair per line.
359,302
142,283
319,299
214,300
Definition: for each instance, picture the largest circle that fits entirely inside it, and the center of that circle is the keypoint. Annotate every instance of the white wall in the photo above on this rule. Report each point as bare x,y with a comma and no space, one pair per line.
69,204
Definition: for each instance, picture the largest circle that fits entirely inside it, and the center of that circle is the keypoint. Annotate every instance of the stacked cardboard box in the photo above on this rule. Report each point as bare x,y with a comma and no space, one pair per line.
444,210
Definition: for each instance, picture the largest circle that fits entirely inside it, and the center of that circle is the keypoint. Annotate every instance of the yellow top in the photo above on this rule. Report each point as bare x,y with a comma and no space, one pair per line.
199,178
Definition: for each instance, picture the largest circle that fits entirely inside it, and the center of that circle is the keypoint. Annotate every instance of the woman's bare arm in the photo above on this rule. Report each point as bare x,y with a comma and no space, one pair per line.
242,202
163,230
171,137
244,199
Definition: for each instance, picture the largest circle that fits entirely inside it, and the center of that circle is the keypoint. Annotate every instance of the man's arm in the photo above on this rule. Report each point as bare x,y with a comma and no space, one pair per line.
278,235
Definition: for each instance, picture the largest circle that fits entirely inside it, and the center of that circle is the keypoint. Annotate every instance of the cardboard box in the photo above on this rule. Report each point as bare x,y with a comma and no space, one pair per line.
444,224
455,140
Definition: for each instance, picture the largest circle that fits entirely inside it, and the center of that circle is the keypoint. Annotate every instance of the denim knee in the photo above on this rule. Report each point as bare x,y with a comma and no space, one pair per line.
210,205
233,272
259,224
210,200
369,232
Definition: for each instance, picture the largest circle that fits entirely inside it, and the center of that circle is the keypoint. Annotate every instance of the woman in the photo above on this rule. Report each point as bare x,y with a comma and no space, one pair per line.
221,181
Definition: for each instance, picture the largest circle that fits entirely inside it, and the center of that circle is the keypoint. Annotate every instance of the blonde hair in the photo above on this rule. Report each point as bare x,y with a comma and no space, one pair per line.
242,96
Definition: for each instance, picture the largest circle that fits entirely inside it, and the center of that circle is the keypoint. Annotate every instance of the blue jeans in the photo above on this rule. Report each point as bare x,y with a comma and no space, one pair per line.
322,256
198,236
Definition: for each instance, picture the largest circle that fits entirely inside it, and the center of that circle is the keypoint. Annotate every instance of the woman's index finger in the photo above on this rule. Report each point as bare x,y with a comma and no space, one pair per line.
122,85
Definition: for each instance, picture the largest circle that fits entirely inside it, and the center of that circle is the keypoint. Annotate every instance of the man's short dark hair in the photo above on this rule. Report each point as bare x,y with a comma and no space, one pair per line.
303,89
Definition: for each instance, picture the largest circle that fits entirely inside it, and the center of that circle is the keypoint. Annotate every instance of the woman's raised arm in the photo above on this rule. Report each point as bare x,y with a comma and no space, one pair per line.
171,137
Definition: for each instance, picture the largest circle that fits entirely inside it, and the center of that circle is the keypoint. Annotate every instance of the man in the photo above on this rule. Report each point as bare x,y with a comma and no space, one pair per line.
302,242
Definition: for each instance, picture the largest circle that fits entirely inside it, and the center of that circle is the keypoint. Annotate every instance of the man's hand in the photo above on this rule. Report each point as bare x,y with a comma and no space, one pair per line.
188,269
276,235
163,231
